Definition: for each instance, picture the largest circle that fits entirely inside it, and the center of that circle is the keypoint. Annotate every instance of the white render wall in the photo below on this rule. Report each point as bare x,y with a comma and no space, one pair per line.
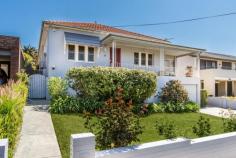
57,57
217,146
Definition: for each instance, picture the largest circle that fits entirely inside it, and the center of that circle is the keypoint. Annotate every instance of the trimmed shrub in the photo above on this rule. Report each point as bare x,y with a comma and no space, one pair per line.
191,107
202,127
100,83
173,92
117,126
166,128
203,98
12,100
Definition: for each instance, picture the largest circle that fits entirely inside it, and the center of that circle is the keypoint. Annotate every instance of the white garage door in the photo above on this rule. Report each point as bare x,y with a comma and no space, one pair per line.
192,91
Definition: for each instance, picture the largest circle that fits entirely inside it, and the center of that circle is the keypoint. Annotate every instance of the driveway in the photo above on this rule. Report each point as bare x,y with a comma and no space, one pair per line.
37,138
219,112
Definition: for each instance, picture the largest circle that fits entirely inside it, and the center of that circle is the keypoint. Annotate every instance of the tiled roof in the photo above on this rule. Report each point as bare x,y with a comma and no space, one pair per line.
105,28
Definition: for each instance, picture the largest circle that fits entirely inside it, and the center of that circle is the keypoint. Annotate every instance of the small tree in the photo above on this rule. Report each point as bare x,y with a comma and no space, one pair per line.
166,128
173,92
117,125
203,127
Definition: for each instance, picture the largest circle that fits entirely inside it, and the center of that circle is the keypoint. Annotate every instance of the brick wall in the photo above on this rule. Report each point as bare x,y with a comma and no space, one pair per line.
12,44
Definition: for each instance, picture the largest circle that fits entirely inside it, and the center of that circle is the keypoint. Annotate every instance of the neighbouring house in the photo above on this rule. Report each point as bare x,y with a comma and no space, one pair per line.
218,74
64,45
10,57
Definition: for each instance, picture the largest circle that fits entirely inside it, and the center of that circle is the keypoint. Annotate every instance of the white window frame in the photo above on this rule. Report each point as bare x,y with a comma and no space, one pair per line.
146,60
94,48
77,53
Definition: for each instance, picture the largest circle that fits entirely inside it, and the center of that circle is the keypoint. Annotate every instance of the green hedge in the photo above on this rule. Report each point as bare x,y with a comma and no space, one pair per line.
12,100
100,83
203,98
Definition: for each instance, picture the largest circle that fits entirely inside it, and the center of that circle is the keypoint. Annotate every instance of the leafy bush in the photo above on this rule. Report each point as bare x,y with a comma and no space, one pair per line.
117,126
166,128
203,98
170,107
23,77
57,87
12,100
191,107
229,124
173,92
203,127
100,83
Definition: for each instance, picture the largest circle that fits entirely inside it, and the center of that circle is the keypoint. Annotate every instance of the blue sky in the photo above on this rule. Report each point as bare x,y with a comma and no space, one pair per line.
23,18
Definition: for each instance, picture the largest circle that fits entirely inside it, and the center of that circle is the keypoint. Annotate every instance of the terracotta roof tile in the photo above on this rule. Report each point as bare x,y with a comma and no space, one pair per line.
105,28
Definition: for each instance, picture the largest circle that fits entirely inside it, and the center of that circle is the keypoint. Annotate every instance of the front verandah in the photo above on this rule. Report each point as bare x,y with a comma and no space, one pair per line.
225,88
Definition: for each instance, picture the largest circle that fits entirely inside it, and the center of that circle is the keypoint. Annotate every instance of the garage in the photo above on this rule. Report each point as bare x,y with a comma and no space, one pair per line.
192,91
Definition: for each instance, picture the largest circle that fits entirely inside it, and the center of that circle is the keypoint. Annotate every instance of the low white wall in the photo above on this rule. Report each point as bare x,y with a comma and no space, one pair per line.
218,146
222,102
3,148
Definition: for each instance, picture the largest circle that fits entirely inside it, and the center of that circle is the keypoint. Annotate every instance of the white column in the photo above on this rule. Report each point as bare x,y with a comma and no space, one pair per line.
198,65
82,145
113,53
4,148
162,60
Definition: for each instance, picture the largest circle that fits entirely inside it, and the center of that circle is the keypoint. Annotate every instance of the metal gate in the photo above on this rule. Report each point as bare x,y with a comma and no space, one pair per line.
37,86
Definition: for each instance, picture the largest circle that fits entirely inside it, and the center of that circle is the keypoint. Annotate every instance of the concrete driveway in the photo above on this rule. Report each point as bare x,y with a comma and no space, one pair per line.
37,138
219,112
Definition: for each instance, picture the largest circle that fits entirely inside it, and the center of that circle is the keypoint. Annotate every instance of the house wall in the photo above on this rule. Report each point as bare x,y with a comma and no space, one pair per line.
211,75
57,63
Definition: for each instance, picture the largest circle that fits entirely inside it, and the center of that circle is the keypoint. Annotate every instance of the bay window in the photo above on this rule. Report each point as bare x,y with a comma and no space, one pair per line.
80,53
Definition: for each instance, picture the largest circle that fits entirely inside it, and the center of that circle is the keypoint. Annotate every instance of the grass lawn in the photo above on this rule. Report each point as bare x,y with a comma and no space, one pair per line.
65,125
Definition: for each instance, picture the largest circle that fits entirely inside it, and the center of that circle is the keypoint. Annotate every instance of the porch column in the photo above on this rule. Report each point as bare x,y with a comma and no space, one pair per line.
226,88
162,60
198,64
113,53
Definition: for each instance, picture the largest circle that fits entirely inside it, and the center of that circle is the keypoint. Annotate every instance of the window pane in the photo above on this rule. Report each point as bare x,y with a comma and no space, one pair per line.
90,54
136,58
227,65
81,53
143,59
150,59
71,52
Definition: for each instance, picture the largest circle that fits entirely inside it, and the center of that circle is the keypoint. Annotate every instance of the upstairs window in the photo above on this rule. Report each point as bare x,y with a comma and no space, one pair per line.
81,53
143,59
136,58
227,65
90,54
71,52
208,64
150,60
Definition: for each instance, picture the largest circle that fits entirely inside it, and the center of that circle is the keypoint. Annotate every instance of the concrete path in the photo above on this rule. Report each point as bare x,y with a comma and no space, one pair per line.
215,111
37,138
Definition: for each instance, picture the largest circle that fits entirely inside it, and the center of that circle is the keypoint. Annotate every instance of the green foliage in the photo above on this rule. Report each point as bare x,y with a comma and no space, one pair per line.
116,126
203,98
229,124
90,105
30,62
57,87
170,107
166,128
23,77
173,92
203,127
12,100
100,83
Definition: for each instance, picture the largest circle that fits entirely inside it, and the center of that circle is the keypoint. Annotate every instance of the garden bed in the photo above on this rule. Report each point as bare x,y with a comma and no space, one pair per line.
68,124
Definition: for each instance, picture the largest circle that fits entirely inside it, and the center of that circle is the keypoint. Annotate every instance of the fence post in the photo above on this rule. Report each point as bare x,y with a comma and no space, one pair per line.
82,145
3,148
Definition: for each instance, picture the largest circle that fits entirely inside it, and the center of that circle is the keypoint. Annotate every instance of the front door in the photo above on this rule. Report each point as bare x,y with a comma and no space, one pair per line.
117,57
5,66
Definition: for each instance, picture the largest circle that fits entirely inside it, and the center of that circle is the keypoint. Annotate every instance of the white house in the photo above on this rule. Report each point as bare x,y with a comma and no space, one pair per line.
218,74
64,45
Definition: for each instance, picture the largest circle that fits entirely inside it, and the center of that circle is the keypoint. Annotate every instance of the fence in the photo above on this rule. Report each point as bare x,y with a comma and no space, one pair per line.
223,102
218,146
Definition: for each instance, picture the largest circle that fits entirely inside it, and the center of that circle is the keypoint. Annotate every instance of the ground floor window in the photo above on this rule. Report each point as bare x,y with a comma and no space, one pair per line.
143,59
